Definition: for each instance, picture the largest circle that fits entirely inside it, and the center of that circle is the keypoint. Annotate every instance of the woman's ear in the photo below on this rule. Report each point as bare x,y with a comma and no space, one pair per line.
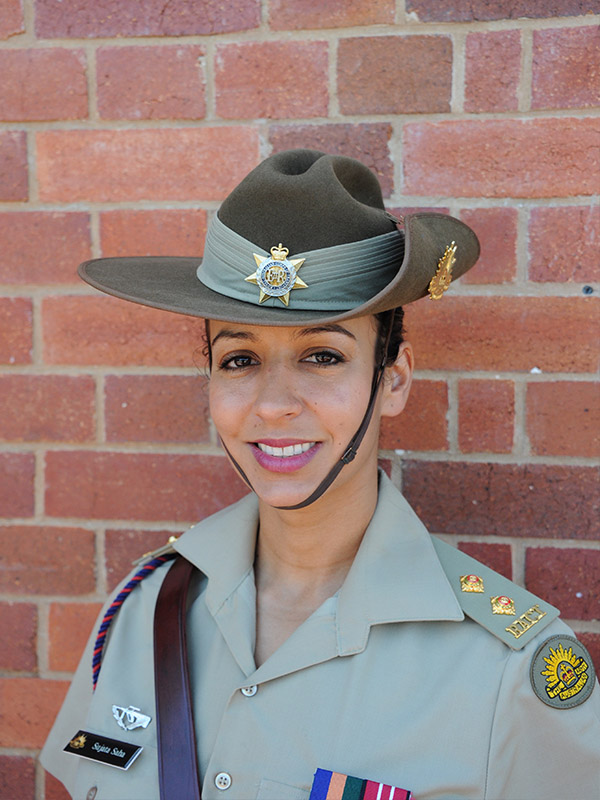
397,381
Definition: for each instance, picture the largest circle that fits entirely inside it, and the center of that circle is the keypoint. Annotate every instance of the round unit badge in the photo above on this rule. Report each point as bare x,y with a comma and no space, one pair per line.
562,673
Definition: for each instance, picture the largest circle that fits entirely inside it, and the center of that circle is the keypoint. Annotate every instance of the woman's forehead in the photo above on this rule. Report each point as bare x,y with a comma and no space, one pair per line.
354,329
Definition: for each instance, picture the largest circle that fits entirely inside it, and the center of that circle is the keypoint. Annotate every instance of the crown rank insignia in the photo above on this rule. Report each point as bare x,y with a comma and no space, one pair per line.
277,275
443,276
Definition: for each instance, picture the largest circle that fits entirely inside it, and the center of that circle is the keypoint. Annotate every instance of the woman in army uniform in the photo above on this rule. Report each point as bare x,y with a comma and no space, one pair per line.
313,640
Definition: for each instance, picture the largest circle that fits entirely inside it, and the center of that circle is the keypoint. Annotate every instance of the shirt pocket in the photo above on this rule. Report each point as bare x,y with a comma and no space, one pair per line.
274,790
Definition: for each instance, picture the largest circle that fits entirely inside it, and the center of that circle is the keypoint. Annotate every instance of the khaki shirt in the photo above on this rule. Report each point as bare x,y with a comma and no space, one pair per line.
386,681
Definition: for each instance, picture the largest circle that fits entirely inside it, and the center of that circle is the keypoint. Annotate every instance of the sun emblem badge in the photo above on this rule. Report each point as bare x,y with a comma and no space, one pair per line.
78,741
277,276
560,672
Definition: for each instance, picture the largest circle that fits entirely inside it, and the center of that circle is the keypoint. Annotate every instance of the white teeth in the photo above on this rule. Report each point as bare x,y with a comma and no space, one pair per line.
285,452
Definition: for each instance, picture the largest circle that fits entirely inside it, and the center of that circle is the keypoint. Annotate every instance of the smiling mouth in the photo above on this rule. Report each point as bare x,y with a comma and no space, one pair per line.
285,452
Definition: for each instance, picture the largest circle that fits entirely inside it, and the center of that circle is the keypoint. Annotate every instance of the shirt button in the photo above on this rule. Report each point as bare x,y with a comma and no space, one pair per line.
249,691
223,781
92,793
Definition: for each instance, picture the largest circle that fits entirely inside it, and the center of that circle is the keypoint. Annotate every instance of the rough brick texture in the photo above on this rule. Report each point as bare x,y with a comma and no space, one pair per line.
505,499
79,18
46,408
563,243
563,418
486,416
54,788
13,166
16,484
142,486
451,11
489,333
395,74
151,82
29,706
122,547
69,626
494,556
271,79
567,578
299,14
422,425
496,229
159,408
102,330
502,158
46,560
566,68
43,246
153,232
18,632
17,777
493,65
11,18
16,332
42,84
114,165
368,142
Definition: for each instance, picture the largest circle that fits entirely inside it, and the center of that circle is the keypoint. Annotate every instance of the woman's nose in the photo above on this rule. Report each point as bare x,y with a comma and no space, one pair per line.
278,394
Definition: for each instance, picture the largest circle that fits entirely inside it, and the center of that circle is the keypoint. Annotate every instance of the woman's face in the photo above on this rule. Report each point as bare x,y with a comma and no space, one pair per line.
287,401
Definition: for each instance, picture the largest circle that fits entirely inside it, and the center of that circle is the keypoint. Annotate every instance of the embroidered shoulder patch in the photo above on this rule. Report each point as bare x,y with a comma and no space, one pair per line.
562,673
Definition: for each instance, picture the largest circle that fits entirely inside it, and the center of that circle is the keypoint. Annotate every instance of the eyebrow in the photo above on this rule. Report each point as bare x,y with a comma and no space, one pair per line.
229,333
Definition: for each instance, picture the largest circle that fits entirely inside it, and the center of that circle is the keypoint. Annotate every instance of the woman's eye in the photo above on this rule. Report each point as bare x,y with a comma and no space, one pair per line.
324,357
239,361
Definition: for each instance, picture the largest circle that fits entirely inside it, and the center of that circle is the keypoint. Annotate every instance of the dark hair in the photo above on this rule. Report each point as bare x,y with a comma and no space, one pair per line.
396,335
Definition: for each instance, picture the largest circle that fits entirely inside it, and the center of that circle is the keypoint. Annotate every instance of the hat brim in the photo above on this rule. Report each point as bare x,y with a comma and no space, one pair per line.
171,283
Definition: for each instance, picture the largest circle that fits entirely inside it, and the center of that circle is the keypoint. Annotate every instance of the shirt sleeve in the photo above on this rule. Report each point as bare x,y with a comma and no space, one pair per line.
537,751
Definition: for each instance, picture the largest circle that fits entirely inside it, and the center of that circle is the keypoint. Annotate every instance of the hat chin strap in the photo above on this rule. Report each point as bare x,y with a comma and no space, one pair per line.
350,451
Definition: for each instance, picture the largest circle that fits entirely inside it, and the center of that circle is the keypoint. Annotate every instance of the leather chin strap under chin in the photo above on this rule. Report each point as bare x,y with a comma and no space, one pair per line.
352,449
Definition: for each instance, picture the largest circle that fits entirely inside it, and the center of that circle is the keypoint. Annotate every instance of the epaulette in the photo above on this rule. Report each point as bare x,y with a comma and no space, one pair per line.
502,607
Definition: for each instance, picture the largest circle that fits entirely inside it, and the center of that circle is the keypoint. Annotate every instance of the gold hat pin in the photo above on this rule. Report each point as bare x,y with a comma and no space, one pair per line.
277,276
443,276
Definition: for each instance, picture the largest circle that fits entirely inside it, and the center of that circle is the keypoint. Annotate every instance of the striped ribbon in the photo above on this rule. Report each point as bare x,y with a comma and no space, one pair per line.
329,785
116,604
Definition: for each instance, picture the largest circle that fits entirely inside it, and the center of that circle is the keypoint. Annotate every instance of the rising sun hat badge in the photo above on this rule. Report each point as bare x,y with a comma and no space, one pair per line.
277,275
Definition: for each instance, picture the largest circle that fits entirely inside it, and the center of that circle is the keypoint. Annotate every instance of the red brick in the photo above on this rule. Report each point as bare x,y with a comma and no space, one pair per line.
451,11
153,232
80,18
592,642
307,14
157,408
43,84
495,556
368,142
553,334
45,560
16,484
18,630
126,165
151,82
54,788
563,418
563,243
492,68
395,74
567,578
566,68
13,166
70,625
43,247
11,19
17,778
46,408
496,229
271,79
16,332
504,499
145,486
29,707
486,416
423,424
124,547
502,158
104,330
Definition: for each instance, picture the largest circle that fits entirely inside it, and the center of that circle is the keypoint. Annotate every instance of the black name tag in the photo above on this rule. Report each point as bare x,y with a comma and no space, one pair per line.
100,748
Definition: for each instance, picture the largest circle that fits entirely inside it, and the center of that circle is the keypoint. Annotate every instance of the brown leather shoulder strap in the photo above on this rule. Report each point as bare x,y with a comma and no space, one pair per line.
177,756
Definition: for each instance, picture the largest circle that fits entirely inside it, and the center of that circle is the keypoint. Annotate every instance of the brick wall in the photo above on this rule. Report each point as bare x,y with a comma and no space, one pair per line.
122,126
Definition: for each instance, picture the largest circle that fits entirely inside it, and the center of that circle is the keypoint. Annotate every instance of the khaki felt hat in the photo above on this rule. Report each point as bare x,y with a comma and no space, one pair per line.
304,237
